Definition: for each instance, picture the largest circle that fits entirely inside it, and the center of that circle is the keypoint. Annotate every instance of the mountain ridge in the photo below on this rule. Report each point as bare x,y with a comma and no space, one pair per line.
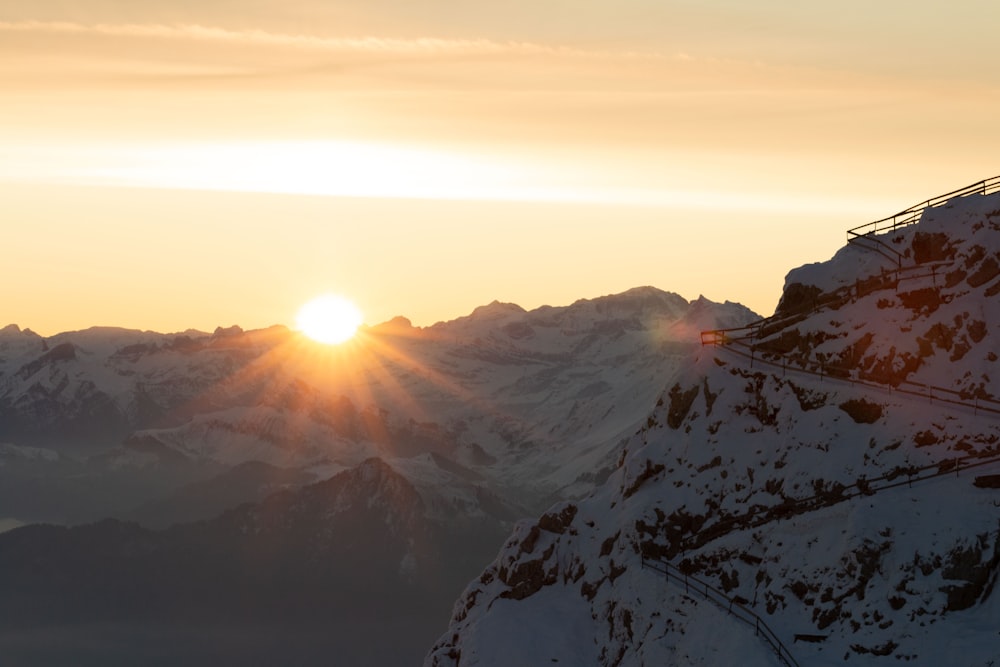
484,420
770,471
495,306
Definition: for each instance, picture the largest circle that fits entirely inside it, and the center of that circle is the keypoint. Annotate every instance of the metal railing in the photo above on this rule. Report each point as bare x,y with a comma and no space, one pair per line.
760,515
862,487
912,214
737,610
933,394
886,280
748,335
875,244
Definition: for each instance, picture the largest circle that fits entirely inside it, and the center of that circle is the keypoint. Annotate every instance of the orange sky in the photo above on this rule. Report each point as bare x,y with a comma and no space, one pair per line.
166,165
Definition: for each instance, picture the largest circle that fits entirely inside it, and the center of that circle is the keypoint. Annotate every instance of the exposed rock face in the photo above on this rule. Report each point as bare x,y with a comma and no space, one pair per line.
798,298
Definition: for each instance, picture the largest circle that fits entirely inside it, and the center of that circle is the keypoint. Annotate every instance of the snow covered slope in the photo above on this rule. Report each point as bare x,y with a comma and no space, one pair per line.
830,473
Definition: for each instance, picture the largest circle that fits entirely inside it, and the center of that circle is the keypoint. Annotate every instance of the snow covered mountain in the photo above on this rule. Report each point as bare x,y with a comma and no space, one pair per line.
445,436
500,392
817,488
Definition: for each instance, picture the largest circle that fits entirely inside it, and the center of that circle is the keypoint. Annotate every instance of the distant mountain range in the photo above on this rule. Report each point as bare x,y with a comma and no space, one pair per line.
336,497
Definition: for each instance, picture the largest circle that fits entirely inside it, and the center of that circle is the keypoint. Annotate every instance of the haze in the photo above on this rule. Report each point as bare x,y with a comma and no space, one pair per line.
168,165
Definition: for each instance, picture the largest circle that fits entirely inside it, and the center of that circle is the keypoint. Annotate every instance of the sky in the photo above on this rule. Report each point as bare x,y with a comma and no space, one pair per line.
193,164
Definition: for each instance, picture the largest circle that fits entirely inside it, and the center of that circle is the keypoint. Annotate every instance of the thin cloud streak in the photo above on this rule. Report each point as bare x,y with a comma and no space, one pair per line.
370,44
476,64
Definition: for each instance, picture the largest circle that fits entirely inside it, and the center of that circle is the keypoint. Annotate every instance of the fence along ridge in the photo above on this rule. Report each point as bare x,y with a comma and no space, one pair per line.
723,338
912,214
931,392
838,297
864,488
838,492
725,603
739,335
859,235
867,238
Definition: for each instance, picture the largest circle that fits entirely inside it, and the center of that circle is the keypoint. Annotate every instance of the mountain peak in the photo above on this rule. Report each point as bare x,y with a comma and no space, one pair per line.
397,325
222,332
497,309
14,331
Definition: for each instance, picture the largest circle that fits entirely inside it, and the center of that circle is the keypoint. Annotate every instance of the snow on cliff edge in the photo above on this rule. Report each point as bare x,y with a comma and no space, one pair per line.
832,472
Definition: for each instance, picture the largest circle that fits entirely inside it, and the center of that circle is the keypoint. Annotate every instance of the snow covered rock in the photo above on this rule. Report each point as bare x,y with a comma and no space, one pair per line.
815,472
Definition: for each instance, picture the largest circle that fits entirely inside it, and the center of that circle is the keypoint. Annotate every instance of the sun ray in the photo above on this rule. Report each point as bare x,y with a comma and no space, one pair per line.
372,395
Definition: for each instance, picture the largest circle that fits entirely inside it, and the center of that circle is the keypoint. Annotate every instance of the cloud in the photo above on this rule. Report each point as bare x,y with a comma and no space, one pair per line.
532,65
368,44
70,54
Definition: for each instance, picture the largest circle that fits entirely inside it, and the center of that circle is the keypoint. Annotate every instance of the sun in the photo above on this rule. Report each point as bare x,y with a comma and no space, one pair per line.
329,319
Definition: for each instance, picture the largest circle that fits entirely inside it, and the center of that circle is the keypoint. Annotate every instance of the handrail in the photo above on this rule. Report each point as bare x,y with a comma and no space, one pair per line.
725,602
890,277
879,246
739,335
758,515
864,488
733,337
931,392
912,214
